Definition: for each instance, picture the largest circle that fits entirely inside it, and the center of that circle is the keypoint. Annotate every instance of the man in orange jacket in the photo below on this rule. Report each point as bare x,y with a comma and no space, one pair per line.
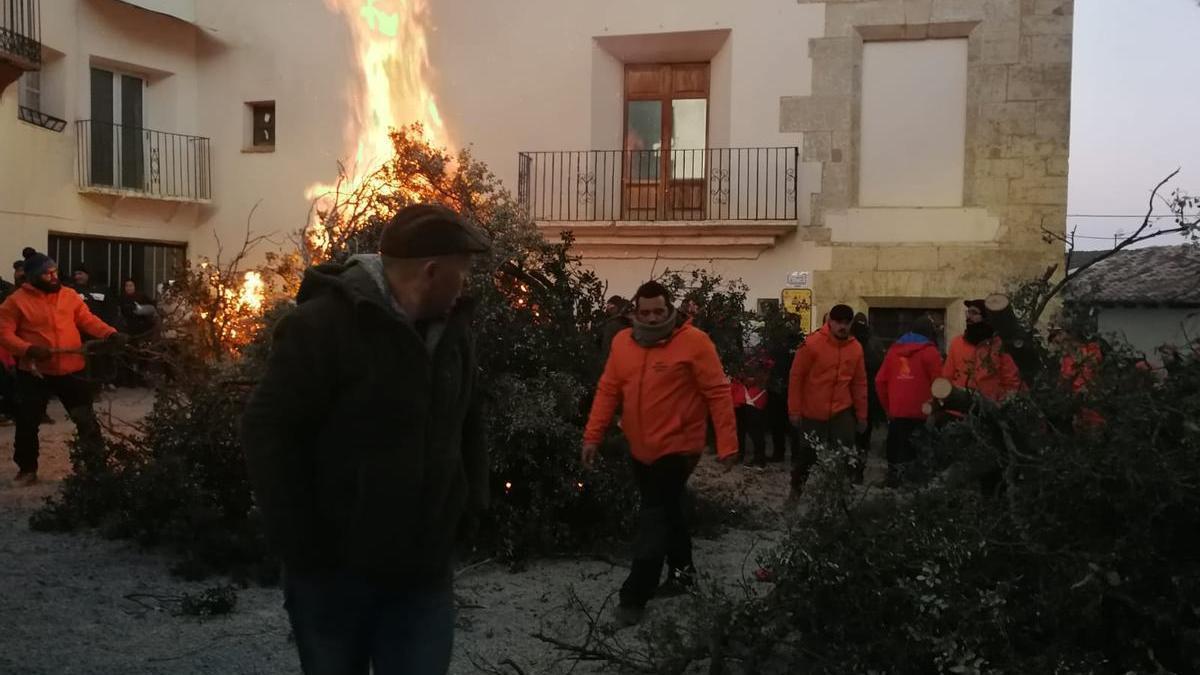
827,391
977,360
665,376
40,325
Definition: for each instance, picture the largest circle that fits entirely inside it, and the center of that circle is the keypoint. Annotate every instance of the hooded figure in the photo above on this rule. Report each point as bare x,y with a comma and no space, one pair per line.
903,381
977,360
365,447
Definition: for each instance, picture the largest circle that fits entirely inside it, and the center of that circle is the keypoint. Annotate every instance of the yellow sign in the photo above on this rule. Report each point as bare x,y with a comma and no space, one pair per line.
799,301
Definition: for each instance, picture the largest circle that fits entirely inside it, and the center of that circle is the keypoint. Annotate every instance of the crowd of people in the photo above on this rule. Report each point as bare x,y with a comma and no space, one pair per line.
51,340
664,380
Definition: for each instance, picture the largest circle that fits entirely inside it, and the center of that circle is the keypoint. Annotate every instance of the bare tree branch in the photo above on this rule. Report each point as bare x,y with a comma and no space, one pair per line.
1138,236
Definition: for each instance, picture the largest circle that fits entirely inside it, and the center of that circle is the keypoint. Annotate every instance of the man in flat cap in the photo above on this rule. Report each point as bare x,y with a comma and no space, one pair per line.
365,449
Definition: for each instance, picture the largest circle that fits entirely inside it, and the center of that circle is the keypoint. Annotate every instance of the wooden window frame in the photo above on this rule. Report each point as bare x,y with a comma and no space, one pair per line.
255,126
668,90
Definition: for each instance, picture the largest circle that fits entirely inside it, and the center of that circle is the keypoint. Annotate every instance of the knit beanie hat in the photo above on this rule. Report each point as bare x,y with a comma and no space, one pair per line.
36,264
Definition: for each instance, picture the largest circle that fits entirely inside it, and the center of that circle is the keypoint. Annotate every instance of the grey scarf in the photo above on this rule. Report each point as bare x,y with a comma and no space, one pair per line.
649,335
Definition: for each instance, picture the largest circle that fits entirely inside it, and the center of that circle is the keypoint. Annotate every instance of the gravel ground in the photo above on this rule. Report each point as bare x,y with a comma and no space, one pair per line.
81,604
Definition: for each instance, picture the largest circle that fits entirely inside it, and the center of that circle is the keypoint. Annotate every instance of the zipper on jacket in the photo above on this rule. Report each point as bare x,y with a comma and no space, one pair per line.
641,386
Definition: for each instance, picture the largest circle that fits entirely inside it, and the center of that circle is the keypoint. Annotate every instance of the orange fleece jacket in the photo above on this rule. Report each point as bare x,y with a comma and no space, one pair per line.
666,394
985,367
53,320
828,376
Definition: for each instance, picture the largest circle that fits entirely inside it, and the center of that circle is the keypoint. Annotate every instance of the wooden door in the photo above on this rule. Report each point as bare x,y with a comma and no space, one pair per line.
666,135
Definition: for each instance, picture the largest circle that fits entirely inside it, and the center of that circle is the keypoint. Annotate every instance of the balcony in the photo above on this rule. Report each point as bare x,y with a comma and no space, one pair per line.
632,203
125,161
20,39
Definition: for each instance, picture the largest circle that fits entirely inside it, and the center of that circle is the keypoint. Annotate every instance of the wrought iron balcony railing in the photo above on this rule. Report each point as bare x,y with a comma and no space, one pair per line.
751,184
41,119
21,31
142,162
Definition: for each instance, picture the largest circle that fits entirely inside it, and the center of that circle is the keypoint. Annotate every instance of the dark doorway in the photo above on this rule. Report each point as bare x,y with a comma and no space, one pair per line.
889,323
110,262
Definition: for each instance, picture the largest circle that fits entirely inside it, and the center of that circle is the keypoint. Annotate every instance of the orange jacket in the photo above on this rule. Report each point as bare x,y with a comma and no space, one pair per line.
1078,367
985,367
666,394
828,376
54,320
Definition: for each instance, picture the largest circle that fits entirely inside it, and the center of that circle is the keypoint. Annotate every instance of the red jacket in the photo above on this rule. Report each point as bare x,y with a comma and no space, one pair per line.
666,394
828,376
985,367
1077,368
752,395
53,320
909,368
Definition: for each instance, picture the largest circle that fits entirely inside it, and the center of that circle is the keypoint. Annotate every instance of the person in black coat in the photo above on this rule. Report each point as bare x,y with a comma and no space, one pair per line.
136,309
873,354
365,448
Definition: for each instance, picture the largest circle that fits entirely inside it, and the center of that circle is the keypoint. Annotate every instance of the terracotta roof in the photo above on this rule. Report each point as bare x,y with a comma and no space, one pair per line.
1157,275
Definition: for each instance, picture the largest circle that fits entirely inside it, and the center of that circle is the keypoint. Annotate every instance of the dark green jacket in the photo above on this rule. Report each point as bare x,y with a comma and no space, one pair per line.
363,443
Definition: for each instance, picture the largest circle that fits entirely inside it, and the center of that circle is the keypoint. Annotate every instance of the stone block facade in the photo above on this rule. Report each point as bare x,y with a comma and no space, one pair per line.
1018,128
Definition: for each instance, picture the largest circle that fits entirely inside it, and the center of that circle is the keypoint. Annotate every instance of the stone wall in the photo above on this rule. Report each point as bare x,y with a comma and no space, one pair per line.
1018,127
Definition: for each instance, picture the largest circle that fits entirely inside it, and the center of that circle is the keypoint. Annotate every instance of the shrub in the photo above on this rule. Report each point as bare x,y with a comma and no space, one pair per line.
1081,557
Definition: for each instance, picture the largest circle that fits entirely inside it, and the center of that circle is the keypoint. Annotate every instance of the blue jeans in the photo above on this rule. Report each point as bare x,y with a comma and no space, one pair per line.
345,625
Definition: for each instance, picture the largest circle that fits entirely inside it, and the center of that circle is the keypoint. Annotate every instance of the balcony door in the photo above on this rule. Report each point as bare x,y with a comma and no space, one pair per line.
666,138
117,144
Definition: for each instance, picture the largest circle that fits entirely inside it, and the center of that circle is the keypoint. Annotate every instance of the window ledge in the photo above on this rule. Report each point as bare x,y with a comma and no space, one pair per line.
258,149
129,193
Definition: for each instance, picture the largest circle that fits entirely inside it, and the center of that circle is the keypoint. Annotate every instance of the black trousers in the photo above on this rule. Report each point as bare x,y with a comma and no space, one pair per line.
783,432
839,429
900,448
662,527
33,394
8,392
752,424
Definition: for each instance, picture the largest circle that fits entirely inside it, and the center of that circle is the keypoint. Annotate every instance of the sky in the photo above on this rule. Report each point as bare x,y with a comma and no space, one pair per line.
1135,111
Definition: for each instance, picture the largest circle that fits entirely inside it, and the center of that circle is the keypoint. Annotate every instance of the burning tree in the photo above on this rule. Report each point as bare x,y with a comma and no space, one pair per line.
538,354
178,479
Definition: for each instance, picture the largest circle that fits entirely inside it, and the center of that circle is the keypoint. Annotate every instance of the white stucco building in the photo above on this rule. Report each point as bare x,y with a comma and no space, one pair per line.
906,154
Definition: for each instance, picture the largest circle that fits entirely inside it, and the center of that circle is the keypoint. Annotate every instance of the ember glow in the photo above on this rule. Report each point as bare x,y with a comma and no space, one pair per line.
392,56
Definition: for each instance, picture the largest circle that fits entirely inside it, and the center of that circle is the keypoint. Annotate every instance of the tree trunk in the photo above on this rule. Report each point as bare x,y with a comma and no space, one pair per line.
1017,340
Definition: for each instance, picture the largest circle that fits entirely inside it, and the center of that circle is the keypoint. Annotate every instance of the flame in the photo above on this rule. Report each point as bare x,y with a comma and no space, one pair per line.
392,55
253,292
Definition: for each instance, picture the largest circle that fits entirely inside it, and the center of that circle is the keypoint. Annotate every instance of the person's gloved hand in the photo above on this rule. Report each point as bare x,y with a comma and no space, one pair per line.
118,340
38,352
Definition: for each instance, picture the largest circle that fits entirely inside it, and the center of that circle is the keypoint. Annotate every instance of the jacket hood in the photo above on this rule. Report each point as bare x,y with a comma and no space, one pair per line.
360,281
913,343
914,338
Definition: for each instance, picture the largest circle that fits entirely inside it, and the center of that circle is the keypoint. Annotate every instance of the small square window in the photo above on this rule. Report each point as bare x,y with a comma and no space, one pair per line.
768,305
262,124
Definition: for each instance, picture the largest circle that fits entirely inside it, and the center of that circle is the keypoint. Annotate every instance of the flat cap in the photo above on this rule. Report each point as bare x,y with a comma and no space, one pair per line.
428,231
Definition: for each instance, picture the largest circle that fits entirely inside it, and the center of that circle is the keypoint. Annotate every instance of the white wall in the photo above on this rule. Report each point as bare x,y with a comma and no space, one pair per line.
914,123
38,185
306,65
530,76
508,77
182,9
1146,328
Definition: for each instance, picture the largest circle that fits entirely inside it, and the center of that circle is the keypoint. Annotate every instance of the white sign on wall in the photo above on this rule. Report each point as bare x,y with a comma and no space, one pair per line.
800,279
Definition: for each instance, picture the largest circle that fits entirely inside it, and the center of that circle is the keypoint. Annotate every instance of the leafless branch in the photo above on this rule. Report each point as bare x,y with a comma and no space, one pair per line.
1138,236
